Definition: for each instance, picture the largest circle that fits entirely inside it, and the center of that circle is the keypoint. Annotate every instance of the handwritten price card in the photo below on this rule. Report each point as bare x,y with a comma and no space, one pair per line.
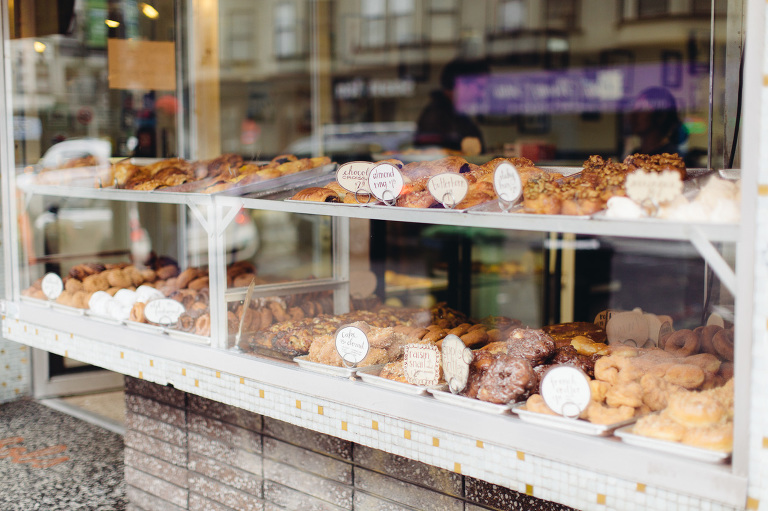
506,182
52,286
351,344
566,391
456,360
353,176
448,188
163,312
385,182
422,364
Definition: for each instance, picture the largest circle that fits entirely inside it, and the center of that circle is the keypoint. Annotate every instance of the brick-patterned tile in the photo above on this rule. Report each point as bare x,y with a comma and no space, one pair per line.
308,439
157,487
238,479
404,493
206,446
223,494
200,503
154,428
156,467
367,501
278,496
225,413
318,464
404,469
162,393
143,501
155,410
232,435
319,487
504,499
157,448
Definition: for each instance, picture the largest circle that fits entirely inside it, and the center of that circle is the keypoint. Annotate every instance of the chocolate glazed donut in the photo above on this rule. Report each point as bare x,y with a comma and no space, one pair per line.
682,343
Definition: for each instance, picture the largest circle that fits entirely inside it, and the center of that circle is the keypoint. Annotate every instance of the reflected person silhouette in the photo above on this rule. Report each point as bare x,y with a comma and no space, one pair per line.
655,120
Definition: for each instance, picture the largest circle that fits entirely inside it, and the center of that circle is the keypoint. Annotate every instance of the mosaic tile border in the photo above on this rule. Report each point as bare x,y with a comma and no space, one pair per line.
514,469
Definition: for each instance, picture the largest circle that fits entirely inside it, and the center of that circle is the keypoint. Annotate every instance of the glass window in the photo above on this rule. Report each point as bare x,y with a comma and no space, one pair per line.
647,8
286,30
511,14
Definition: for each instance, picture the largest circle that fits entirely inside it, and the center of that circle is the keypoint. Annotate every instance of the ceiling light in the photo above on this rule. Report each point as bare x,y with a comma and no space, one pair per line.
39,47
112,23
149,11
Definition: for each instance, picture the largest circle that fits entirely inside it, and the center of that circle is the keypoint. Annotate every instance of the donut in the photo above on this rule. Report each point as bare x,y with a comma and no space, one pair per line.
167,271
722,341
536,403
696,409
137,313
726,370
628,394
659,426
688,376
266,317
198,284
73,285
508,379
95,282
233,322
598,413
243,279
117,278
599,389
705,335
148,275
682,343
186,277
278,311
718,437
706,361
186,323
203,325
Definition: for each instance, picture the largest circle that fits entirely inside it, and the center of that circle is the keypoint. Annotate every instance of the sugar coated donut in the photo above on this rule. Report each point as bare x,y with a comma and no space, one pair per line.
682,343
696,409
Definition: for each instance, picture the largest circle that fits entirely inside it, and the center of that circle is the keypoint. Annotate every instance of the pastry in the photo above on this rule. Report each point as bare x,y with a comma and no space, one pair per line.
317,194
508,379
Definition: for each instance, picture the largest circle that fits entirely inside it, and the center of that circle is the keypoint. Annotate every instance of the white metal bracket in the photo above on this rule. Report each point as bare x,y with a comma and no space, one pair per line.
716,261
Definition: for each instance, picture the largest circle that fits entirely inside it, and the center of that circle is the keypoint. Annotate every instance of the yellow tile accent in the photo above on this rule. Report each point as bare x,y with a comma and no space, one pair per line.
25,329
66,353
242,381
122,355
23,348
319,410
36,332
71,336
762,190
600,498
344,425
3,317
457,468
407,434
765,442
529,490
765,80
374,425
752,504
479,444
298,404
4,384
261,394
183,372
435,441
151,363
141,375
197,383
23,360
641,487
521,455
218,374
55,337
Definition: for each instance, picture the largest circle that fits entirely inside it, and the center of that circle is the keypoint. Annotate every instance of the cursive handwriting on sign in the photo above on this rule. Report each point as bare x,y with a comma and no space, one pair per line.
36,459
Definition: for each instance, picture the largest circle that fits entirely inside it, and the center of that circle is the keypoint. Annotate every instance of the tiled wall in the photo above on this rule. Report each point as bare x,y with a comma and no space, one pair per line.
184,451
14,370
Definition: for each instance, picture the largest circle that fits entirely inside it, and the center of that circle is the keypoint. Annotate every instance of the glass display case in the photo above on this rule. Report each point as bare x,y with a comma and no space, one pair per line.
175,209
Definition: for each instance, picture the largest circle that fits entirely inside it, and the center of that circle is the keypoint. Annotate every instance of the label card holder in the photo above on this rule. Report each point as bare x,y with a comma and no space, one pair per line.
163,312
421,363
385,183
456,360
566,391
508,185
352,345
353,177
448,188
52,286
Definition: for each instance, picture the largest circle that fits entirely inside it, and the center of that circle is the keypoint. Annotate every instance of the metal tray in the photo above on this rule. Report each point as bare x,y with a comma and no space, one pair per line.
341,372
370,375
573,425
144,327
45,304
109,320
278,184
188,337
468,402
67,309
674,448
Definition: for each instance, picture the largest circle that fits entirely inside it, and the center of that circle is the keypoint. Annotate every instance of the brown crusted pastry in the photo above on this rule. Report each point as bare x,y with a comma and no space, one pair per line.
564,333
243,280
186,277
531,344
198,284
95,282
203,325
508,379
137,313
73,285
117,278
542,196
167,272
317,194
656,163
148,275
394,371
420,199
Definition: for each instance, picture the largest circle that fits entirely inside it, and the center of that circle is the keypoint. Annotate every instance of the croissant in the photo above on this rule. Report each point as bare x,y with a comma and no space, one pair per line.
317,194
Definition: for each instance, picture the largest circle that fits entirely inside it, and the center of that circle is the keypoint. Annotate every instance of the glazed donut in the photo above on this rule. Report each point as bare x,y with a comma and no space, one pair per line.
628,394
659,426
536,403
726,370
203,325
705,335
682,343
73,285
117,278
706,361
696,409
186,277
687,376
722,341
198,284
137,313
718,437
197,309
598,413
655,392
599,390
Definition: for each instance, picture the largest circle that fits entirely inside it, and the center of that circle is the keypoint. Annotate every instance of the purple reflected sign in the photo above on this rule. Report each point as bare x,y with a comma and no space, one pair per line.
610,89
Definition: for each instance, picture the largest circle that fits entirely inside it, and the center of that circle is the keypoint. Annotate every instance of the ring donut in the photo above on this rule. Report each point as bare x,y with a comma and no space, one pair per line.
137,313
705,335
203,325
682,343
722,341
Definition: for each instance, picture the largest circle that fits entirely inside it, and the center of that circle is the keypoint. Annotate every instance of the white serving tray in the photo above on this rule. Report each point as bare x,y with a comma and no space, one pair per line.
370,375
564,423
468,402
340,372
674,448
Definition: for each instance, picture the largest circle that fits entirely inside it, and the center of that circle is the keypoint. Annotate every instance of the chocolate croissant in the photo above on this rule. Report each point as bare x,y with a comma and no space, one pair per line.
317,194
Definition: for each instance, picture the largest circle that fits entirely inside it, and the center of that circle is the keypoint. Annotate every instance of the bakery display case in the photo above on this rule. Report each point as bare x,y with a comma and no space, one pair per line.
273,198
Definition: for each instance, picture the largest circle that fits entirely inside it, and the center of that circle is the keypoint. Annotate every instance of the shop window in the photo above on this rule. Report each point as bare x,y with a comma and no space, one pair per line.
390,22
239,42
562,14
286,31
442,20
651,8
511,15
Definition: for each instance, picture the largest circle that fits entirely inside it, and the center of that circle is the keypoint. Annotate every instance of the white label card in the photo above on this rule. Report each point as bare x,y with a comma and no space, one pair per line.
422,364
659,187
716,319
456,360
163,312
353,176
351,345
602,318
52,286
566,391
448,188
507,183
385,182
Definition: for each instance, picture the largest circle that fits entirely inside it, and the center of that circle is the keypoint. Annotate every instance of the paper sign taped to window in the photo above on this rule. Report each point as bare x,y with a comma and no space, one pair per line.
144,65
